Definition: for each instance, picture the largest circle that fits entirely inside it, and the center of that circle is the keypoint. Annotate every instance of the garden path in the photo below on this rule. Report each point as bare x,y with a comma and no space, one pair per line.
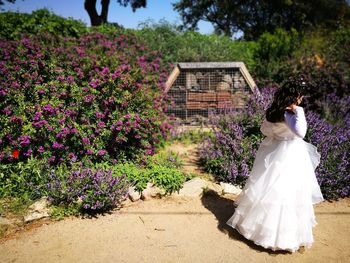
171,229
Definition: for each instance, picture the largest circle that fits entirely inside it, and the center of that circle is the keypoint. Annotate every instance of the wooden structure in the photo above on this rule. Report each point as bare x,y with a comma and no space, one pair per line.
198,89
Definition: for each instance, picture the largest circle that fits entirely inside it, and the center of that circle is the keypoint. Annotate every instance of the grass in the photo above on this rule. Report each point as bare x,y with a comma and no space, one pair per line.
14,209
191,135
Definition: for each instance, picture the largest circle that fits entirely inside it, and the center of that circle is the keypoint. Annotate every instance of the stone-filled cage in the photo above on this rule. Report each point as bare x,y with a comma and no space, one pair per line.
196,90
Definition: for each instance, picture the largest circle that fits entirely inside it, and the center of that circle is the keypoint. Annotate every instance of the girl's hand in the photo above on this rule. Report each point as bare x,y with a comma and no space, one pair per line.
291,107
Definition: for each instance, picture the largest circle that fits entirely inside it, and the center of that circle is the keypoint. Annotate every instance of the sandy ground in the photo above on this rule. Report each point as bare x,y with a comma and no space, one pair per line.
171,229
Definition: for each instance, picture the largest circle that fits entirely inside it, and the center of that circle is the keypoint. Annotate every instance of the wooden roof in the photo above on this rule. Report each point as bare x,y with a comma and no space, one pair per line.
215,65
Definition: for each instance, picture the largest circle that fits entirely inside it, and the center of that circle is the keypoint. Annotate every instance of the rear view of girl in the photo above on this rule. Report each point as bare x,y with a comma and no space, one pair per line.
275,208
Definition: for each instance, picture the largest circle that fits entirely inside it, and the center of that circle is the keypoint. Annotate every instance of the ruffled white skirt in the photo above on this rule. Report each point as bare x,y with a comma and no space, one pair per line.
275,208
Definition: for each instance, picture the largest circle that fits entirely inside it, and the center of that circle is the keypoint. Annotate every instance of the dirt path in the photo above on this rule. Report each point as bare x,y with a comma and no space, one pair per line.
172,230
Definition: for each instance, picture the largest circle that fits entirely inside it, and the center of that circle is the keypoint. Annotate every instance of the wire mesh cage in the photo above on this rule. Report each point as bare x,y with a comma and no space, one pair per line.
196,90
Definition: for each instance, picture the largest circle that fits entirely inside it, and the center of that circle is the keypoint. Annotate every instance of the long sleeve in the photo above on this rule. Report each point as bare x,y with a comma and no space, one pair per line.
296,122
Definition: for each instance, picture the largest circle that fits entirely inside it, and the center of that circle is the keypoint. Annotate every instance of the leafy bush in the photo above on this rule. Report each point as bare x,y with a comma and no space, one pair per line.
161,170
25,179
178,46
97,97
271,53
136,175
13,24
88,190
167,178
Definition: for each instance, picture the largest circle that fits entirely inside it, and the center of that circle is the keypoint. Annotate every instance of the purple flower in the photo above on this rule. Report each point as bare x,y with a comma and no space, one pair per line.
57,145
24,140
17,120
41,149
28,153
63,133
99,115
101,124
101,152
37,116
39,124
86,141
89,98
72,156
74,131
49,109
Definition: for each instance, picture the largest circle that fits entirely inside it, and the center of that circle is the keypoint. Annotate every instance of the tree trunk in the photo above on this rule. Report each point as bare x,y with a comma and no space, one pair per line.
104,11
95,18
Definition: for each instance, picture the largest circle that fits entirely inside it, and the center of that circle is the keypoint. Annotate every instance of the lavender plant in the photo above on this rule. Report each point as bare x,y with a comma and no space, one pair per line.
89,190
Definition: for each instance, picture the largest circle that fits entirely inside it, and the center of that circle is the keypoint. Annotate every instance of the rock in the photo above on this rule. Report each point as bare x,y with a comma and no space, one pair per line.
215,187
151,191
230,189
134,195
193,187
37,210
5,221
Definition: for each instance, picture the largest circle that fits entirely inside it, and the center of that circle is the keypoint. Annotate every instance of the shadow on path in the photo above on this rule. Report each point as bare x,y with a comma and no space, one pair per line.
223,209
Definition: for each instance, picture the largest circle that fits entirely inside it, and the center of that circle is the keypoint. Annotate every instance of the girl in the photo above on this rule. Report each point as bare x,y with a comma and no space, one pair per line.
275,208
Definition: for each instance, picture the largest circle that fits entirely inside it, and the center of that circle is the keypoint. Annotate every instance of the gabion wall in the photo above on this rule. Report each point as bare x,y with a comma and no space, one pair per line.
198,92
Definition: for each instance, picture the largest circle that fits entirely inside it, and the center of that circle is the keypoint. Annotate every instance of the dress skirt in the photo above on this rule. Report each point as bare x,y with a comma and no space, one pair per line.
275,208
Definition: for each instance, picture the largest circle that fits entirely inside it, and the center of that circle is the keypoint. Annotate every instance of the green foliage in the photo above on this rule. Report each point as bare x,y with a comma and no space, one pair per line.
177,46
191,136
135,175
169,179
42,20
166,159
59,212
272,51
256,17
14,206
25,179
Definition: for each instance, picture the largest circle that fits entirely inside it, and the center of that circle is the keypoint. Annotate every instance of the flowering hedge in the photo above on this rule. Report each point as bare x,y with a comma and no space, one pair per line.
230,154
89,190
64,99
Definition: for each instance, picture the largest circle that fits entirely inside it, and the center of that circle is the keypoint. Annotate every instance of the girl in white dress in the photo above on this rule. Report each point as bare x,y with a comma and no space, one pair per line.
275,208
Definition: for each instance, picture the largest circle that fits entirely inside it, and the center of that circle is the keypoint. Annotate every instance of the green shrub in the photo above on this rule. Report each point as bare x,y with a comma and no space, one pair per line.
25,179
178,46
136,175
169,179
13,24
273,51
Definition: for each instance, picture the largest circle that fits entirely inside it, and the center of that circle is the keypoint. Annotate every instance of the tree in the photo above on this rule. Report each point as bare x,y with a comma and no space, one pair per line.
254,17
90,7
2,2
96,19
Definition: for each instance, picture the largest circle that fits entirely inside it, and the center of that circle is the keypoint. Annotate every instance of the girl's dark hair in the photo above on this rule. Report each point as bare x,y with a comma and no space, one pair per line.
286,95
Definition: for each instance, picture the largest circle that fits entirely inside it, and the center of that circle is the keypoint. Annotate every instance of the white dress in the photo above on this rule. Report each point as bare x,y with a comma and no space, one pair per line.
275,208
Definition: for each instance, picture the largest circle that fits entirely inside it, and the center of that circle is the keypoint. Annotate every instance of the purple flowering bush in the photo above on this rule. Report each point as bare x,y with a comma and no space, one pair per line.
88,190
229,155
333,143
98,97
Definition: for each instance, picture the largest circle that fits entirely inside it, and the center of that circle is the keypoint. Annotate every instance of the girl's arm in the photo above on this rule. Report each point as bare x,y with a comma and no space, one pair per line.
296,122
